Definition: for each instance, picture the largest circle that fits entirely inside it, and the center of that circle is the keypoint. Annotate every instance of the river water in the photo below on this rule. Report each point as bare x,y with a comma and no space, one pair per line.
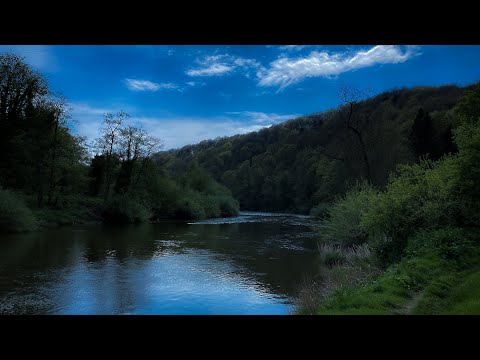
250,264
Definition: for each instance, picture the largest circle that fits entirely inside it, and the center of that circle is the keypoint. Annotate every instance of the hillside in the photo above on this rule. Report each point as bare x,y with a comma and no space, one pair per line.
304,162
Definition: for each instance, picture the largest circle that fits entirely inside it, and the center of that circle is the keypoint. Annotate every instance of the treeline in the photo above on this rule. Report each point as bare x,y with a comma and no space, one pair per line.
421,232
48,175
307,162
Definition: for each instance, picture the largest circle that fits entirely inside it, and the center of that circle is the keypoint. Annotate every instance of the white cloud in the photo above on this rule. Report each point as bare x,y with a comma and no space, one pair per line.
216,65
263,118
286,71
87,119
147,85
181,131
40,57
195,83
82,109
177,131
292,47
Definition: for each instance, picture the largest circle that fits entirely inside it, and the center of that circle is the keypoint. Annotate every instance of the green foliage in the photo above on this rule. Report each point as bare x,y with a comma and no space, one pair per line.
124,209
451,244
431,279
72,209
343,222
15,216
295,165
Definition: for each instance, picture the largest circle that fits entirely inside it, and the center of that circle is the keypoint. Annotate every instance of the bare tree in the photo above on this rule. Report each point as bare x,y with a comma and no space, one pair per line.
110,132
135,145
353,119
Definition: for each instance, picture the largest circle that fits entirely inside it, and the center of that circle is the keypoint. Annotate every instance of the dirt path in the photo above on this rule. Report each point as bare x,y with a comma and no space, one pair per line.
410,305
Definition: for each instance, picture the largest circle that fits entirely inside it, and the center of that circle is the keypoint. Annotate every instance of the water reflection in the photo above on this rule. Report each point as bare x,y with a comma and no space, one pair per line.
249,267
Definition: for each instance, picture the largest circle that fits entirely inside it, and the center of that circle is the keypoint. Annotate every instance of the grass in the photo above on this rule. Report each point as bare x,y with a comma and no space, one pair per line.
440,275
454,293
343,268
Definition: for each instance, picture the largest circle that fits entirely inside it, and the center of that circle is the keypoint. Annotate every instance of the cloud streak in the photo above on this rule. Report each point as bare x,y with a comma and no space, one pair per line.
219,65
147,85
178,131
262,118
286,71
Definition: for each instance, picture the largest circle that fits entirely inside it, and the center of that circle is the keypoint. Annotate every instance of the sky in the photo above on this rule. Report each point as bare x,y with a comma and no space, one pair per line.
188,93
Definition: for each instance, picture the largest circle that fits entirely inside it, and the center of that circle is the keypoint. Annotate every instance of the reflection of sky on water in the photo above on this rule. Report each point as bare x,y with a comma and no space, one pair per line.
190,283
165,268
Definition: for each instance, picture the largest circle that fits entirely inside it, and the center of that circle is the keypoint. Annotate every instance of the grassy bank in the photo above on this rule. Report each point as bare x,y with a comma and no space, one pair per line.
439,275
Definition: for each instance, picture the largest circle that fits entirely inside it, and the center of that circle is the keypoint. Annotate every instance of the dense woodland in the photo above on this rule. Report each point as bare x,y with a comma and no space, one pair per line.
305,163
50,176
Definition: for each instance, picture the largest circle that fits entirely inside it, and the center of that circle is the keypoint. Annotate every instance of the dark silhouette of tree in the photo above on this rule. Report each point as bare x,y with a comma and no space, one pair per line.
355,120
422,134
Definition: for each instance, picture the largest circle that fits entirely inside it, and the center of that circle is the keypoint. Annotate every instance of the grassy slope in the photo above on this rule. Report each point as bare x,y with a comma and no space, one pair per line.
425,284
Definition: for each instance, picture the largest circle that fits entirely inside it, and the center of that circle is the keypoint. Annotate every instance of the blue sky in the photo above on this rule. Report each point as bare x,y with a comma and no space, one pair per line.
185,94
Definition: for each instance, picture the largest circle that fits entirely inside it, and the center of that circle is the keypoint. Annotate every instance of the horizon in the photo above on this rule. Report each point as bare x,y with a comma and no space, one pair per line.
187,94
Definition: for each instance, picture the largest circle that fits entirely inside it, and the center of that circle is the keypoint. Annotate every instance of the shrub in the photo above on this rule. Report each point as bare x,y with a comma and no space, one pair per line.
451,244
211,206
228,206
342,224
15,216
189,207
124,209
418,196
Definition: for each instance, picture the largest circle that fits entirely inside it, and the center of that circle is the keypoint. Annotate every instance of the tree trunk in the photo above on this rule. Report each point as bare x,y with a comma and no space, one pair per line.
52,163
360,140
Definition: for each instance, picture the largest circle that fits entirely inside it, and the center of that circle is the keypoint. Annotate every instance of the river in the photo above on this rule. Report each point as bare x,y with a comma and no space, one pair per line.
250,264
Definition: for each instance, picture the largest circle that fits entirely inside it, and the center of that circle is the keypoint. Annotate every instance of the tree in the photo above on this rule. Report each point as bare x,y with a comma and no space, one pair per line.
354,119
422,134
20,89
106,144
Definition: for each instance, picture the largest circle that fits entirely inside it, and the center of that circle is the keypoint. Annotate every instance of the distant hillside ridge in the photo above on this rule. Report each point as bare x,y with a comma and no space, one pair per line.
306,162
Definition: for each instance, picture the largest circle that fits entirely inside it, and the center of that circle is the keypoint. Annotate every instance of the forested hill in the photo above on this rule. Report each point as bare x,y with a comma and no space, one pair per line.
306,162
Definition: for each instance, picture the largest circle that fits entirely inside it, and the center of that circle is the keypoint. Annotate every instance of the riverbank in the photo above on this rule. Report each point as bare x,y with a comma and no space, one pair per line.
440,275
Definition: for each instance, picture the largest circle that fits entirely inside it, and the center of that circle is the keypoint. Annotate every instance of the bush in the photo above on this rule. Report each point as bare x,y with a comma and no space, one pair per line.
419,196
124,209
451,244
342,224
228,206
15,216
189,207
211,206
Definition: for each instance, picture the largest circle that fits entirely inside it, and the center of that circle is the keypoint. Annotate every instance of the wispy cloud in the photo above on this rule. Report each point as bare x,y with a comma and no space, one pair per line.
180,131
218,65
88,119
261,117
177,131
147,85
286,71
195,83
40,57
292,47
